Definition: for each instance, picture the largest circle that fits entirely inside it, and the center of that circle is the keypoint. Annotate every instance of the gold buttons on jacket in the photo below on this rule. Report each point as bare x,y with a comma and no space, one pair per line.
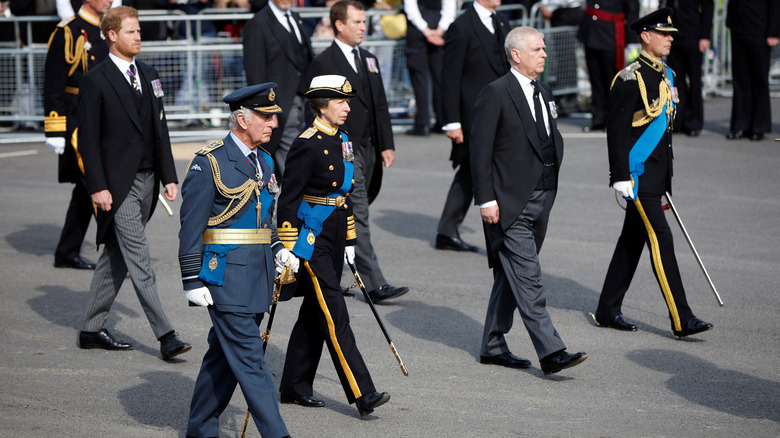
326,152
335,184
330,167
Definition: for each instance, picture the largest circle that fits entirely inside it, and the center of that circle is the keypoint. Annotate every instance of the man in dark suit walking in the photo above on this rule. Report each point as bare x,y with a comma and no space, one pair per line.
227,258
473,57
694,19
75,47
516,152
368,127
123,138
278,49
604,33
755,29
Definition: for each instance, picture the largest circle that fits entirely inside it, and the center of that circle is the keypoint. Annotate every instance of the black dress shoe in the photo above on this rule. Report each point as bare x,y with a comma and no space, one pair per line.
693,326
757,136
418,132
75,263
101,339
733,135
692,133
368,402
386,292
506,359
619,323
171,345
303,400
453,244
560,361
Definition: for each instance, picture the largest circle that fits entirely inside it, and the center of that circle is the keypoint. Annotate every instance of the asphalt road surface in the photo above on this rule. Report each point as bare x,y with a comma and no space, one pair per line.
722,383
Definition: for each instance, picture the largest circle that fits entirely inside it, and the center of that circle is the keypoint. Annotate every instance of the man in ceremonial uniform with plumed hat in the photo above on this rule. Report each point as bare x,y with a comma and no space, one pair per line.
641,112
227,250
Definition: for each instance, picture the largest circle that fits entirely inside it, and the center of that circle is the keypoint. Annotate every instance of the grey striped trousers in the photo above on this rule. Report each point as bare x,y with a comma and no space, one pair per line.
128,251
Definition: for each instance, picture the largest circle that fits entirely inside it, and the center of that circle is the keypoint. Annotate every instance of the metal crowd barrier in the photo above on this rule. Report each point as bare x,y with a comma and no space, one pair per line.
198,70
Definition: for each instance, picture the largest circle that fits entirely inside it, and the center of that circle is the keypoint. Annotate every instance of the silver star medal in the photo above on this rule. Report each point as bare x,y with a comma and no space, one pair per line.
87,46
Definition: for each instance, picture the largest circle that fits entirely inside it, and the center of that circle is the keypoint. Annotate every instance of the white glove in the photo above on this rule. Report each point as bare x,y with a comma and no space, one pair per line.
200,296
624,189
349,255
281,259
56,144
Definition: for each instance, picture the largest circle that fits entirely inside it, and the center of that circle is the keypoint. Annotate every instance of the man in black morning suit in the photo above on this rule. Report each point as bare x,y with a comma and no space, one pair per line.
694,19
123,138
473,57
516,152
755,29
75,47
368,127
276,52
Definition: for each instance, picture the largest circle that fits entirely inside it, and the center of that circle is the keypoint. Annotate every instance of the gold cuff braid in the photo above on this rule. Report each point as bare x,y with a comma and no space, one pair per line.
351,233
288,235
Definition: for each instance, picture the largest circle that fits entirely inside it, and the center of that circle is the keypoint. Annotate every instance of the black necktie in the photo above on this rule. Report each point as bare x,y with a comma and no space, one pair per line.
292,28
541,130
496,27
358,65
253,159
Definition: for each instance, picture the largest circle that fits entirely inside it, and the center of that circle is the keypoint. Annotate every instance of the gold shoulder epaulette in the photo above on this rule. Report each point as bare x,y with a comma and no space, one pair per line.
211,146
66,21
308,133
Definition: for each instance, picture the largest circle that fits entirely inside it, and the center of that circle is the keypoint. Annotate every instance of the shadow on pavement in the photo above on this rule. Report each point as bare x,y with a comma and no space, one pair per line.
706,384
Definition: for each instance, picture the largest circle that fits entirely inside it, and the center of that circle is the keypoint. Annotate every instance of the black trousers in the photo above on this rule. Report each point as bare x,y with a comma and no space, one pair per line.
601,71
644,224
685,59
77,219
750,106
425,63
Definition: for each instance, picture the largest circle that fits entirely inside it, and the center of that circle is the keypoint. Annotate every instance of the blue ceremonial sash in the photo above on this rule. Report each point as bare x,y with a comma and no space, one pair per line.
313,217
648,141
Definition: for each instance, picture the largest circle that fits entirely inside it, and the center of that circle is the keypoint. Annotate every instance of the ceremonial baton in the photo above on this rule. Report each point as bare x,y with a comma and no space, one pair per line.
690,243
165,204
285,277
376,315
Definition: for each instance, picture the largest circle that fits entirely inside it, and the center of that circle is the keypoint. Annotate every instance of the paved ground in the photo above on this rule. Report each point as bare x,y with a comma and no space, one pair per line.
723,383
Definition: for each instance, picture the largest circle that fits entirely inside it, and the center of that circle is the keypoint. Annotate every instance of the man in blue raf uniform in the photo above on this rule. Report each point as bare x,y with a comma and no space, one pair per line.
227,248
642,104
317,225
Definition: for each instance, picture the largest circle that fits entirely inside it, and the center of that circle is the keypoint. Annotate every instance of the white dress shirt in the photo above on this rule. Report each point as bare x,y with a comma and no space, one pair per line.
448,12
124,66
347,49
281,16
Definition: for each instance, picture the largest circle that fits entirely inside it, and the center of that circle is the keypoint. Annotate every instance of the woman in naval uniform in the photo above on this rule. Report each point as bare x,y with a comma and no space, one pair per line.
315,222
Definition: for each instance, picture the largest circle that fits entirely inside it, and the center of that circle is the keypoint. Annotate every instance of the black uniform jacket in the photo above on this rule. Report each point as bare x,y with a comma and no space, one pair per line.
369,117
75,47
315,167
626,104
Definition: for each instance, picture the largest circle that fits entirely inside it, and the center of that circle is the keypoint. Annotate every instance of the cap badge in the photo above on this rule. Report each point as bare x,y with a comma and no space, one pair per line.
347,87
669,19
272,95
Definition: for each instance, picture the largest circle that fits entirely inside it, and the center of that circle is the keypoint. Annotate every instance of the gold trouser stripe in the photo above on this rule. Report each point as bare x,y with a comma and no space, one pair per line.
74,141
332,332
655,253
237,236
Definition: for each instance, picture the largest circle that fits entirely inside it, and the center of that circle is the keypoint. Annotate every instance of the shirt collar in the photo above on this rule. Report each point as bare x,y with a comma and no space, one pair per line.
244,148
325,127
89,18
483,12
346,48
524,80
277,12
122,64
